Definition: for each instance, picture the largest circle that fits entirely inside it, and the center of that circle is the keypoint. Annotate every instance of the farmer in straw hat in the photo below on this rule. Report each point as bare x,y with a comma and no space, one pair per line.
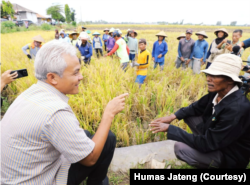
97,44
185,49
33,47
132,45
199,52
105,38
181,36
74,35
220,121
111,40
85,48
213,50
160,49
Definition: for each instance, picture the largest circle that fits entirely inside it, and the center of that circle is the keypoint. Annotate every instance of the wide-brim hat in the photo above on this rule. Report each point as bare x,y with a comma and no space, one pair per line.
38,38
133,31
111,30
181,35
96,33
223,30
106,29
203,33
227,65
161,33
72,33
83,36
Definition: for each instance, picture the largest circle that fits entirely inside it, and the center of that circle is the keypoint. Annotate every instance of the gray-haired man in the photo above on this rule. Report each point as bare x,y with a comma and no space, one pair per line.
41,140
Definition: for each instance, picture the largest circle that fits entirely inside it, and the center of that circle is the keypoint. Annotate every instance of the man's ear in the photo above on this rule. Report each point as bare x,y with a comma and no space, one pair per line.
52,78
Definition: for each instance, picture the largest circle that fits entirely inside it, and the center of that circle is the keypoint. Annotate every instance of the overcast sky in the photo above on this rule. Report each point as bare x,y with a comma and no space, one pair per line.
192,11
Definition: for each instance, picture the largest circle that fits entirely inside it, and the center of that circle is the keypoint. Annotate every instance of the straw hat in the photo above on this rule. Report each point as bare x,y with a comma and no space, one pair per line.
96,33
71,34
181,35
223,30
203,33
227,65
111,30
161,33
106,29
38,38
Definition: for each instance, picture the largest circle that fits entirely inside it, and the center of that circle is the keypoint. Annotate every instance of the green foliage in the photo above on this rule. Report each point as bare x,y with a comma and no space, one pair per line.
46,27
8,24
7,9
73,14
55,11
74,23
67,13
5,105
3,14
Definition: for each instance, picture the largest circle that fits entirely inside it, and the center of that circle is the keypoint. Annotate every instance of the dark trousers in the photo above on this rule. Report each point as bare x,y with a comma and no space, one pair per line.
105,47
97,52
87,61
96,173
194,157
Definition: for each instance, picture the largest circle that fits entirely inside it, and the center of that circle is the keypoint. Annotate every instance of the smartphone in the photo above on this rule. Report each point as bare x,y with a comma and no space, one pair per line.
229,41
21,73
245,68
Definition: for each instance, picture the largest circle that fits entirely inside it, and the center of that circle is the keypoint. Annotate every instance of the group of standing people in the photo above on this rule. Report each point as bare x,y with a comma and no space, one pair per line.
194,54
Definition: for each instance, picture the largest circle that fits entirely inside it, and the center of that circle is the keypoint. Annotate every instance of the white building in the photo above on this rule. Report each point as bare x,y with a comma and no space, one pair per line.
22,13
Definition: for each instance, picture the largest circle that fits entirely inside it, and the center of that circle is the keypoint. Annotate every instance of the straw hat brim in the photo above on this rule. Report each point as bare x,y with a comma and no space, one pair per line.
38,38
106,30
161,34
224,31
71,35
216,72
205,36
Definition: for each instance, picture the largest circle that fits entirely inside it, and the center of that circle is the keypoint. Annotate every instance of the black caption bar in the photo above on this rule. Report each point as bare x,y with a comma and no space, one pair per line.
163,176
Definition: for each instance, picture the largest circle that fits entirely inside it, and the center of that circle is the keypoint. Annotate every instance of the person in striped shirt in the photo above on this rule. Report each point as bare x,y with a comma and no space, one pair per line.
41,139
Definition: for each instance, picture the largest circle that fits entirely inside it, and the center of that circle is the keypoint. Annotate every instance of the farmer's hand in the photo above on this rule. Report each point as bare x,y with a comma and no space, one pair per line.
153,58
7,78
116,105
159,56
202,63
182,59
229,47
159,127
224,41
29,56
166,119
188,61
105,55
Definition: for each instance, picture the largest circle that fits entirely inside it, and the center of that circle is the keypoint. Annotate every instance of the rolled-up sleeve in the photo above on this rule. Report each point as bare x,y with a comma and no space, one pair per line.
65,134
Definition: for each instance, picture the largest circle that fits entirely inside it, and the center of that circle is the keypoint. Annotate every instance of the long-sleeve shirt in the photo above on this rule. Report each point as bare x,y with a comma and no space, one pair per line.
132,45
65,39
159,49
122,50
110,43
85,50
32,48
105,38
246,43
185,48
200,49
97,43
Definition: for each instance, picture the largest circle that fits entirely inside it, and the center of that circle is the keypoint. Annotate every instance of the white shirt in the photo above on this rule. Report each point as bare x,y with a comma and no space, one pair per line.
40,138
235,88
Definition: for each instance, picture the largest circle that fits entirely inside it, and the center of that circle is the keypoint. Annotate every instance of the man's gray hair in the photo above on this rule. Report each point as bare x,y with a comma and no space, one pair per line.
49,58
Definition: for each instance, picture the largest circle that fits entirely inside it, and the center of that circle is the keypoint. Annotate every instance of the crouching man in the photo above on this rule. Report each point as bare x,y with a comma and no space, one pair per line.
41,140
220,121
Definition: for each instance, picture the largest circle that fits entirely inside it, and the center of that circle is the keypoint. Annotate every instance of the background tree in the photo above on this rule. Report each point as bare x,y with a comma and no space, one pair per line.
55,12
2,13
73,14
7,9
233,23
67,13
218,23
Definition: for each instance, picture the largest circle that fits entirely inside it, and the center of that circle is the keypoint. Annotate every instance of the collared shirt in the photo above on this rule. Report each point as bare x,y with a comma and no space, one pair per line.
40,138
200,49
235,88
185,48
241,49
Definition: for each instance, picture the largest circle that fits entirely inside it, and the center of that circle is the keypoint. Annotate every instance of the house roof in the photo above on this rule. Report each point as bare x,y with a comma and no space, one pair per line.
19,8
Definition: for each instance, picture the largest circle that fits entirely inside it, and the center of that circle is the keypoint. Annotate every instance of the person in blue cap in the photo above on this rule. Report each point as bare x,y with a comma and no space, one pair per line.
97,44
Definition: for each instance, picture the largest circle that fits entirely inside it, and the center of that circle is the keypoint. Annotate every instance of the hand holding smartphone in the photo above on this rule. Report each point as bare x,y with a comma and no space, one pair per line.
21,73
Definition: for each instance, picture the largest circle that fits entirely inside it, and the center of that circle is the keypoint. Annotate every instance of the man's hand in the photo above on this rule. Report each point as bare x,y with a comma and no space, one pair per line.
202,63
224,41
182,59
188,61
105,55
166,119
7,78
159,56
153,58
29,56
116,105
159,127
229,47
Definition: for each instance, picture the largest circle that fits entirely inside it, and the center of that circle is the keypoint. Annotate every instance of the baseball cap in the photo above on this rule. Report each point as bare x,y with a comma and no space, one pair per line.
189,31
142,41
